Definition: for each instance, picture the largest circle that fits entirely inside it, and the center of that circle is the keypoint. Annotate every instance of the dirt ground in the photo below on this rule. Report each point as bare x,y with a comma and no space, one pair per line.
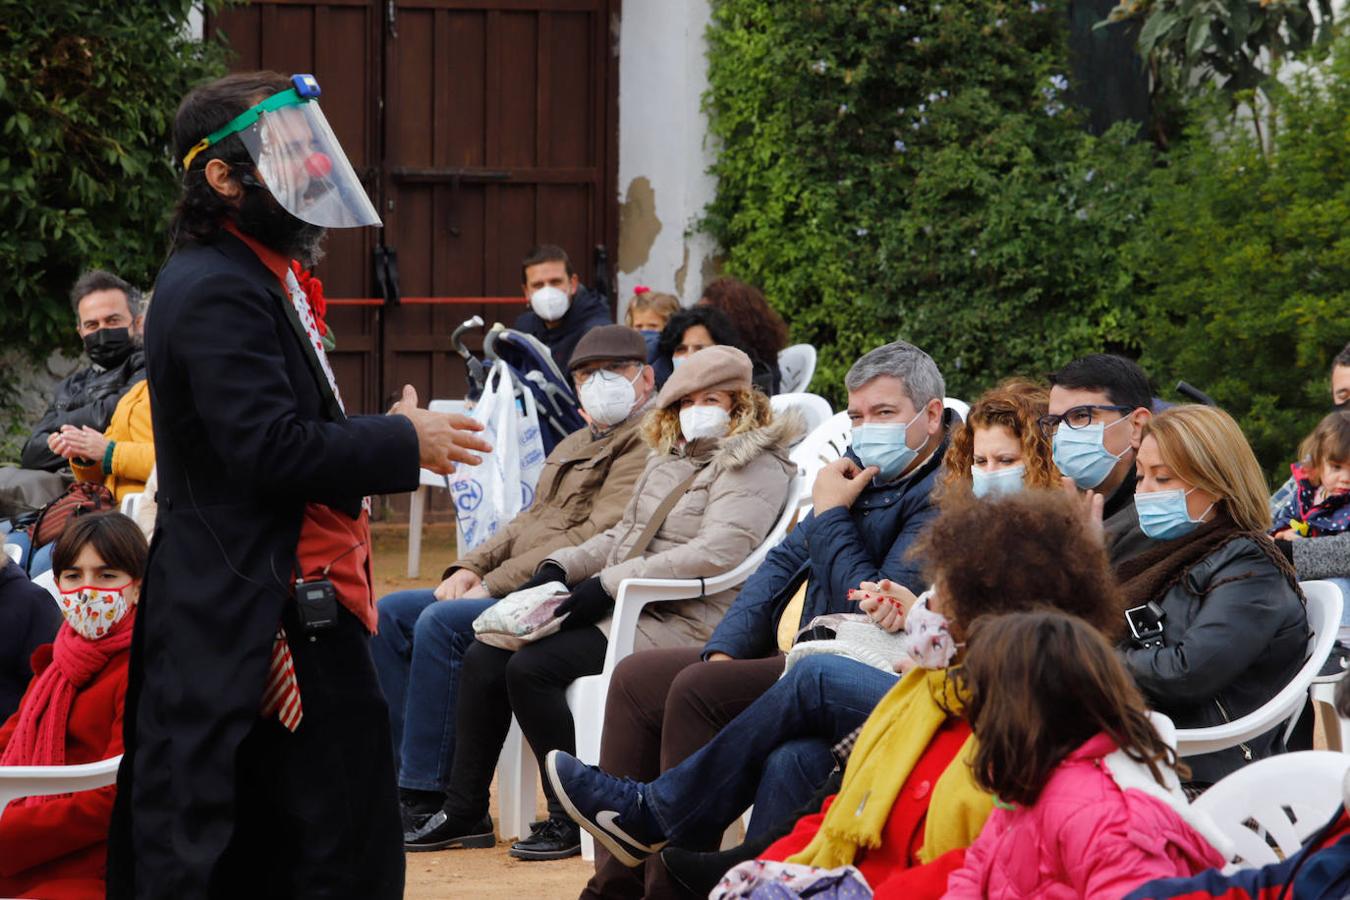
465,874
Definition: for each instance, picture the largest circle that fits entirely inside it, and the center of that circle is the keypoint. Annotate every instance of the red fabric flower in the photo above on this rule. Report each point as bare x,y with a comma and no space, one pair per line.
313,289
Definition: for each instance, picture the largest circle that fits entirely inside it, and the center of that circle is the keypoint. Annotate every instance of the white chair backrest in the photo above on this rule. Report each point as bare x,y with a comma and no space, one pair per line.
1324,618
960,407
814,409
47,582
797,365
426,476
14,551
1288,797
826,443
131,503
40,781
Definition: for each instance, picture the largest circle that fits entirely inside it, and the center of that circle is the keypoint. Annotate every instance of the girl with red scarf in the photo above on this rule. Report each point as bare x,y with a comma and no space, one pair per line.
55,847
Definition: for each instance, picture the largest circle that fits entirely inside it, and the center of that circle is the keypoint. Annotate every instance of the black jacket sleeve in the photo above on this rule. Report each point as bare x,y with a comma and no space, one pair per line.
85,398
250,413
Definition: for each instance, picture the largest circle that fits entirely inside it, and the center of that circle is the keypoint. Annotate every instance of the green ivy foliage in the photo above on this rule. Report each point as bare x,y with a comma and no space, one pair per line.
88,89
914,170
1242,266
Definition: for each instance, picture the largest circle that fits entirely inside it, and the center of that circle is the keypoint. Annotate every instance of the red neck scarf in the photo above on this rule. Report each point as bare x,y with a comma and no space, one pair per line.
40,737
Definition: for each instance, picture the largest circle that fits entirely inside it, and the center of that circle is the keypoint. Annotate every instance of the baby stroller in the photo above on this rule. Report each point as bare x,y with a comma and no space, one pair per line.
532,369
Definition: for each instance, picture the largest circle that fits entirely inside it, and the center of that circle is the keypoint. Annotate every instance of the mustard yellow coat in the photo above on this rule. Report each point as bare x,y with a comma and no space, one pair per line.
134,452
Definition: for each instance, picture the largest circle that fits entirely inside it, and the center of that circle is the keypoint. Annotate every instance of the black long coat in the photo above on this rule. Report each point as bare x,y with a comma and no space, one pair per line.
246,433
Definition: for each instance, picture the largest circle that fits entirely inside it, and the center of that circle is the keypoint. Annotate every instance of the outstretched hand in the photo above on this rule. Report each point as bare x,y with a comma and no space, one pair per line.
443,439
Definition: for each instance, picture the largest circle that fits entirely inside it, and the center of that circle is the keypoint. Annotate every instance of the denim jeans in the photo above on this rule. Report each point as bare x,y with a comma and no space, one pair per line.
418,652
823,697
792,774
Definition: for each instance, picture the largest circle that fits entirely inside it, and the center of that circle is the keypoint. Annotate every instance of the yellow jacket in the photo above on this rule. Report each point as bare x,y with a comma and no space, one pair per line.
134,450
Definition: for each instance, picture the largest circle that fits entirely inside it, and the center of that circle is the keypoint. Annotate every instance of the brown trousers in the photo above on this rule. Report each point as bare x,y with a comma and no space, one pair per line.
662,706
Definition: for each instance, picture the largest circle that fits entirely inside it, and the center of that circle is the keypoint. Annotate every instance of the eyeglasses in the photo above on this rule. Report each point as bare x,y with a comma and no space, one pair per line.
616,369
1077,417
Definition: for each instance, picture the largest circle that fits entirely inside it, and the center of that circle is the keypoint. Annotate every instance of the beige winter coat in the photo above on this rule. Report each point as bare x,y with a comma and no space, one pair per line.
722,517
584,488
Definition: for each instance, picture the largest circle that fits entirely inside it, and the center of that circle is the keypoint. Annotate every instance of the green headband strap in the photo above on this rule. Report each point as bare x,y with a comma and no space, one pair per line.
245,119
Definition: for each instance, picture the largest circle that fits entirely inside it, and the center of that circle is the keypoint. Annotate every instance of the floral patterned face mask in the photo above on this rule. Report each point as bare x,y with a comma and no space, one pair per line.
931,643
92,612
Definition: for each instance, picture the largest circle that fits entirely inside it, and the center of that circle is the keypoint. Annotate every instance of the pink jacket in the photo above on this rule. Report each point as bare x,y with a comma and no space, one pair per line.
1100,828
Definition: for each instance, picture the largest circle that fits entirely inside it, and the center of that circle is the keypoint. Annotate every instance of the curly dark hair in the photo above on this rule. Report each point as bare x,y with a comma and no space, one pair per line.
200,211
718,325
1015,553
762,328
1038,686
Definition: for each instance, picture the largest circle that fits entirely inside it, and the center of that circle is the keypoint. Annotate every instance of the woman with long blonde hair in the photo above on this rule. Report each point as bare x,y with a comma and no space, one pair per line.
1216,618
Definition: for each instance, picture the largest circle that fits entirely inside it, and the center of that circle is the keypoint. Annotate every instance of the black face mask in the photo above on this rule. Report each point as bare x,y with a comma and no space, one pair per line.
109,347
262,218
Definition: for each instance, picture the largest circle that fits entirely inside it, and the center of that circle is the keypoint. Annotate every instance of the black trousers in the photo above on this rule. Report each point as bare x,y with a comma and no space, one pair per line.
531,683
317,809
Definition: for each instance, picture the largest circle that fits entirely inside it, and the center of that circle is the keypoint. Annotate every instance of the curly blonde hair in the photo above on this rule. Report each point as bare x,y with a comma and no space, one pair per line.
1014,404
749,410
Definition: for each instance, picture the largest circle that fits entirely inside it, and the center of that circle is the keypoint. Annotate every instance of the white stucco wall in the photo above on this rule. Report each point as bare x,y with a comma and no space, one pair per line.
664,151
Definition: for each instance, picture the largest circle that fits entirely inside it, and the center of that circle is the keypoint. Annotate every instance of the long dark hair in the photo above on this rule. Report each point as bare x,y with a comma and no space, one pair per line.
201,211
117,540
1040,684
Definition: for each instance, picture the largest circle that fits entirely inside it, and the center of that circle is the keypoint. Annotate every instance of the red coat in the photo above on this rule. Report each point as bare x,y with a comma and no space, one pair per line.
893,869
58,850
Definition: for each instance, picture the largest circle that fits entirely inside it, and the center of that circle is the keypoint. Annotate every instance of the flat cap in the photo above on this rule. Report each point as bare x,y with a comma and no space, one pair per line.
608,342
716,368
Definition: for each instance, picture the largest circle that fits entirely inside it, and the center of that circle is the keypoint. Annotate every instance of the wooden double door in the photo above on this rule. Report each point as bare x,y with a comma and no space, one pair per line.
480,128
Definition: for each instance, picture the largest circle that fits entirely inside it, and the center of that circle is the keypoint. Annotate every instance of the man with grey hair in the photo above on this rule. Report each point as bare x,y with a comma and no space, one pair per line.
108,319
868,509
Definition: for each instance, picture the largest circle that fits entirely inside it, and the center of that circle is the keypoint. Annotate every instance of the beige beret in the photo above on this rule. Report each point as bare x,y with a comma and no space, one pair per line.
716,368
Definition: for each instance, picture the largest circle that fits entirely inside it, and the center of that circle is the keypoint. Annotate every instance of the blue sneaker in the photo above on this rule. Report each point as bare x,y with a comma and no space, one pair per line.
610,808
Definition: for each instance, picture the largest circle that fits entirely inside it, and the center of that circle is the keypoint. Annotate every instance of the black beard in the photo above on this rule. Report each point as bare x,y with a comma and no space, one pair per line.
261,217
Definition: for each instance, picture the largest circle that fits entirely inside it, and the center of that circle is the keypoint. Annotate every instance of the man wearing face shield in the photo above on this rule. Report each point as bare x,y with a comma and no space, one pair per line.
562,309
258,758
108,320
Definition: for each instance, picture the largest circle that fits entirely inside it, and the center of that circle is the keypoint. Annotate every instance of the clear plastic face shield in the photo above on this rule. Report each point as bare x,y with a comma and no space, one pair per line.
299,158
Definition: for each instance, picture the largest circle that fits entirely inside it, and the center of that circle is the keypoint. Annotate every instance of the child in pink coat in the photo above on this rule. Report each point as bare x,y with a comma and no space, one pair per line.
1088,801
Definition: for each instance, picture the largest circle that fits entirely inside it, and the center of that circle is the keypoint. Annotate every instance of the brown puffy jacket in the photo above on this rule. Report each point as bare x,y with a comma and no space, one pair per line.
722,517
583,489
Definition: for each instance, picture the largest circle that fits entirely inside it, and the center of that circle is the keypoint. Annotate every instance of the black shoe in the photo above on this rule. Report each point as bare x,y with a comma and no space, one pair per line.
439,831
696,874
551,839
415,807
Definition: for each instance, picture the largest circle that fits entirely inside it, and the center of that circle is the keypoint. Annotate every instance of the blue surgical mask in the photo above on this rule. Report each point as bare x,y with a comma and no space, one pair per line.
677,361
998,483
652,338
885,445
1081,455
1163,514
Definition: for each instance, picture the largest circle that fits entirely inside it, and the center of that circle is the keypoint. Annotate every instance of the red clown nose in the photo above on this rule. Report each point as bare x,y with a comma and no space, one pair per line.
318,165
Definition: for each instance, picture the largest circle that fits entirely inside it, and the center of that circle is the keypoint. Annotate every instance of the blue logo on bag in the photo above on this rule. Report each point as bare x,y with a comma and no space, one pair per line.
526,495
534,458
468,494
530,434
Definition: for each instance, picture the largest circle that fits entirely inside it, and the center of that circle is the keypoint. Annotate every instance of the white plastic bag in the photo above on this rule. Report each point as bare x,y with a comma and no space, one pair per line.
489,495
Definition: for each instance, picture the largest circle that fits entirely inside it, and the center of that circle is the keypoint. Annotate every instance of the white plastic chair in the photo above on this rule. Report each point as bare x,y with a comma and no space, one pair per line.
38,781
797,366
131,503
960,407
1306,784
1324,618
47,581
814,408
418,505
516,768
